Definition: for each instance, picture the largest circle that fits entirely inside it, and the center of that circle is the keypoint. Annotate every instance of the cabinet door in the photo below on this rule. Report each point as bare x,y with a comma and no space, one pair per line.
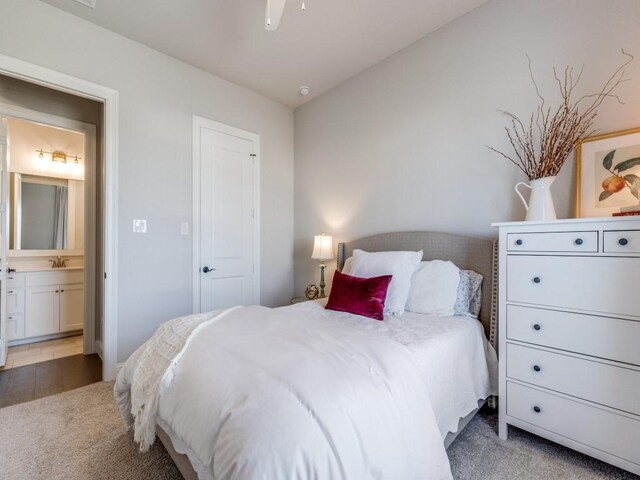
15,300
71,307
42,311
15,326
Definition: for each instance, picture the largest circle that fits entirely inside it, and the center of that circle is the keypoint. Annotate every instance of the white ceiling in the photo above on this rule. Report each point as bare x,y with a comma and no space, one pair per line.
330,42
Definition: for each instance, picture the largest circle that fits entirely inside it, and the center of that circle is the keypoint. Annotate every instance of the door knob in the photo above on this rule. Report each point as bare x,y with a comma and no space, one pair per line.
207,269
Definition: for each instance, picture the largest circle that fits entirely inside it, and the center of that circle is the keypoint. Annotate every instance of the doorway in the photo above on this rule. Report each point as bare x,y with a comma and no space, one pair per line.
226,221
78,90
48,190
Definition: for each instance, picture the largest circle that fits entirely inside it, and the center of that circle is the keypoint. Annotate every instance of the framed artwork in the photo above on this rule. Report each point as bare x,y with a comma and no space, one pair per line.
608,174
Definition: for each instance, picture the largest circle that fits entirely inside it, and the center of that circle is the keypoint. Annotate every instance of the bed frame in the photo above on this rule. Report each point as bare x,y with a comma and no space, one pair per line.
468,253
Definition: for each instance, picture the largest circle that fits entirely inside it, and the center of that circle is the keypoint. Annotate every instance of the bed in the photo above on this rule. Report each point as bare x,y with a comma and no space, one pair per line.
439,349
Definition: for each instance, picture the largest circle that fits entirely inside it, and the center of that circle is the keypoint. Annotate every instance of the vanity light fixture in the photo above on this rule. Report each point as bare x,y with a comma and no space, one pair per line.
59,156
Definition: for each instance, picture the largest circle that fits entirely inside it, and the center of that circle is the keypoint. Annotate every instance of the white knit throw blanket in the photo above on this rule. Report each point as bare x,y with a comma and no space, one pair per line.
154,372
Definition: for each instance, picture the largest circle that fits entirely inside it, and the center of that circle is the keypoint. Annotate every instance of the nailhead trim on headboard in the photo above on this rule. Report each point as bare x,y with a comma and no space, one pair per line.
493,330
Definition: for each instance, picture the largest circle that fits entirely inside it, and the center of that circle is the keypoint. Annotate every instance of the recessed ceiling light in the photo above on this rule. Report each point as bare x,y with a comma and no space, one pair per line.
304,90
88,3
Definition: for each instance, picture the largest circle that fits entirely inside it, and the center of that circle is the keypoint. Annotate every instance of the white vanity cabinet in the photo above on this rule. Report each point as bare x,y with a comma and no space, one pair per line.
569,328
45,303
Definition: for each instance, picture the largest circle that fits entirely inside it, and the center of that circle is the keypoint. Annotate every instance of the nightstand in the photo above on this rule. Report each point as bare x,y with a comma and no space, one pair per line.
298,300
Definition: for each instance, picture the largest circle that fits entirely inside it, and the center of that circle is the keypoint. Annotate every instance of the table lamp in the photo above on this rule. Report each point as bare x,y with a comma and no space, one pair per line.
322,250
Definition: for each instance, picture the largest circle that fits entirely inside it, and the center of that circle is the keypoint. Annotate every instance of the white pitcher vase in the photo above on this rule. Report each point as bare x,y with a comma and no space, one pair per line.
540,206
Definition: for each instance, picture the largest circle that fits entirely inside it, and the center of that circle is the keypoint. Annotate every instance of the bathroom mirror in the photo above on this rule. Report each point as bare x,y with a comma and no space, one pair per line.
46,213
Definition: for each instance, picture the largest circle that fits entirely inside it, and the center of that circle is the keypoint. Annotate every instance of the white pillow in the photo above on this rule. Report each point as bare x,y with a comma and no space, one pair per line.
346,268
434,288
400,265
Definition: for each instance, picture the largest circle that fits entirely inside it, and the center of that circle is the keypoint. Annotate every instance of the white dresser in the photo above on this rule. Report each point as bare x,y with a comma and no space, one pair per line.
569,328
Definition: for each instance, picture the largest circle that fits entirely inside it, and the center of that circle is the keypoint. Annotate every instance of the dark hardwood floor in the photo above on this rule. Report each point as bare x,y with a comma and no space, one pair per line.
22,384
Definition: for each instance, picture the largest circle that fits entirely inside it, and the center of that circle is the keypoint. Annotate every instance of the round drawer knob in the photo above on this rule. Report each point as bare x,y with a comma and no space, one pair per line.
519,242
536,368
579,241
537,327
537,409
536,280
623,241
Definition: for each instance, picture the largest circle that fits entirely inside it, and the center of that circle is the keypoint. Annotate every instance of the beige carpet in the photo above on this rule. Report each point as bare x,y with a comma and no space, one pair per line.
78,435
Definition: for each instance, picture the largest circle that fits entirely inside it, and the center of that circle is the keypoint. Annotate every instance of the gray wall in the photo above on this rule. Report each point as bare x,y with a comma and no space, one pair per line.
402,146
157,97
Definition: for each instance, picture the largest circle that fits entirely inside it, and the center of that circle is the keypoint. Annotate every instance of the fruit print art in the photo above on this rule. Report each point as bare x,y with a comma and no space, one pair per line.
621,175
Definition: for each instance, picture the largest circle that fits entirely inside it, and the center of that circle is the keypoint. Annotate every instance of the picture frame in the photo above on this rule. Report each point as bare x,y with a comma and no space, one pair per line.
603,191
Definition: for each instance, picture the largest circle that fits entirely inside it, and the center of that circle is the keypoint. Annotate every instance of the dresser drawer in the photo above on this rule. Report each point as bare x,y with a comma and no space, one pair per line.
597,382
553,242
603,337
609,432
622,241
597,284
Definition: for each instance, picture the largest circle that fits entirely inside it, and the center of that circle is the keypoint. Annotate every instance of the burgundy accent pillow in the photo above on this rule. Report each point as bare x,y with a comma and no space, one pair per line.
362,296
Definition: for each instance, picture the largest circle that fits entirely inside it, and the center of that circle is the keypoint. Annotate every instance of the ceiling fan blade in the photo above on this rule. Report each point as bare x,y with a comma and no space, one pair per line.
275,8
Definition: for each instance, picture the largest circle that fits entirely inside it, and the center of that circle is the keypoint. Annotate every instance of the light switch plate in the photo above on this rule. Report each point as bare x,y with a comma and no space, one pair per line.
139,225
184,228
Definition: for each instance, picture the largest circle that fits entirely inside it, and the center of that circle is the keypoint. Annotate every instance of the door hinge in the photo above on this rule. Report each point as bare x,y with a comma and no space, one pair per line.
252,154
105,275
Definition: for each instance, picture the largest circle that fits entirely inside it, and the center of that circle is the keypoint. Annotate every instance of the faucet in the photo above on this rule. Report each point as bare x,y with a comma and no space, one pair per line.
59,262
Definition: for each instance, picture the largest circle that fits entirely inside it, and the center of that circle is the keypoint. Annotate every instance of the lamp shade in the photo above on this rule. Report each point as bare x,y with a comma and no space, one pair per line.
322,247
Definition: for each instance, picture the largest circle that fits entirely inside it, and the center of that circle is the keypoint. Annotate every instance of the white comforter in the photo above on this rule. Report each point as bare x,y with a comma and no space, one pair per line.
458,364
262,393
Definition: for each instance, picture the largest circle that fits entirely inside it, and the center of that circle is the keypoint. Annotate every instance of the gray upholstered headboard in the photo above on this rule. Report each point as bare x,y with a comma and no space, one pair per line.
468,253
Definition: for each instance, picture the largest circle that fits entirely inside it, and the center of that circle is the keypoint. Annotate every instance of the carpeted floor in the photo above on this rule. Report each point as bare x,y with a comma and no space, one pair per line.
78,435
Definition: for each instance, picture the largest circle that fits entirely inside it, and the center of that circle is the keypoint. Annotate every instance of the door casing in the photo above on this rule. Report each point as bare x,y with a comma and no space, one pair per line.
32,73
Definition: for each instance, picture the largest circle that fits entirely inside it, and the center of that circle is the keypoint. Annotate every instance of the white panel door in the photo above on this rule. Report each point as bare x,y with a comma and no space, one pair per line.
4,237
227,220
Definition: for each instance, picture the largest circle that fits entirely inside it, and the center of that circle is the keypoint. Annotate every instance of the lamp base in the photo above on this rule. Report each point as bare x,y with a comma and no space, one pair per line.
322,284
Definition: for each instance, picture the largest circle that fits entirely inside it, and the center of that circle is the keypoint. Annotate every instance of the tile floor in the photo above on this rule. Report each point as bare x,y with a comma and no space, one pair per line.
30,353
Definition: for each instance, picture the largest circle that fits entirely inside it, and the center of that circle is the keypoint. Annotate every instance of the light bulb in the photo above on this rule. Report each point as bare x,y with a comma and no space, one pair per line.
303,6
268,13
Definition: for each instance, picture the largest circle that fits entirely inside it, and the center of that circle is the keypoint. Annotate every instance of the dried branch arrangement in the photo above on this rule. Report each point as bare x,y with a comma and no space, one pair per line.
542,146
